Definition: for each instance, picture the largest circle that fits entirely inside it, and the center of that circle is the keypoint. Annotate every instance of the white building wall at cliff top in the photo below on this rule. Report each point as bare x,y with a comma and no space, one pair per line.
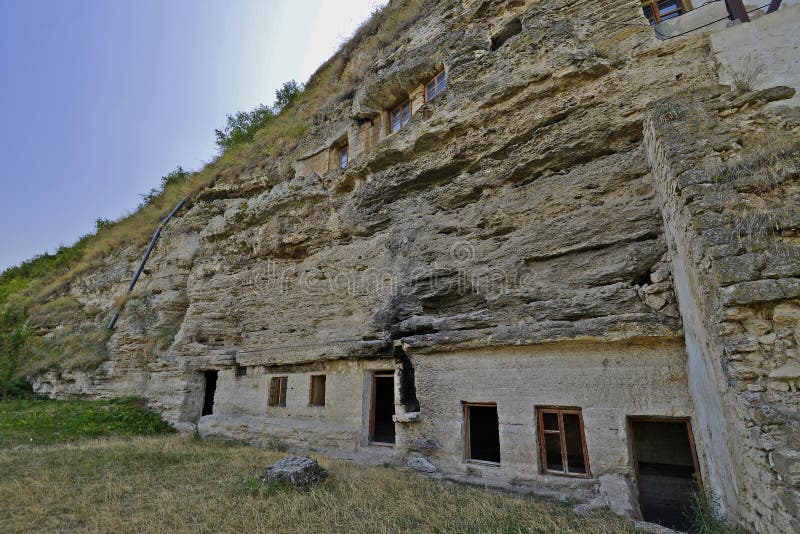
771,42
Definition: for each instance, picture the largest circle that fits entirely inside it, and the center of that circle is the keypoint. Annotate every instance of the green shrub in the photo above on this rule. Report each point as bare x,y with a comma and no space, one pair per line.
15,338
175,178
287,95
241,127
704,515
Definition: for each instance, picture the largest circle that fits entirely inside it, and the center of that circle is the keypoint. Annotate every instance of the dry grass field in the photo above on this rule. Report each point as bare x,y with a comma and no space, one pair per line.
171,483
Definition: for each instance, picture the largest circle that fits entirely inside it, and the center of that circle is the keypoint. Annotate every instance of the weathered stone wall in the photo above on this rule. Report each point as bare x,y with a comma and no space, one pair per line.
241,409
608,381
727,177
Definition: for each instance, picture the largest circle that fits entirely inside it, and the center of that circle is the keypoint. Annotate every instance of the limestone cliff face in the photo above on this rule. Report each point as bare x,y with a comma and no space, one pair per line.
514,208
517,215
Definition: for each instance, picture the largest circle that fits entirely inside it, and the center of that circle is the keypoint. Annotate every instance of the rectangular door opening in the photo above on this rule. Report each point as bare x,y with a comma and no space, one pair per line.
381,423
210,389
666,468
481,433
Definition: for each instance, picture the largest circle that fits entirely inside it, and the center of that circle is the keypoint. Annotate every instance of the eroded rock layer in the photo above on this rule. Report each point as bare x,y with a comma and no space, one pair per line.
515,209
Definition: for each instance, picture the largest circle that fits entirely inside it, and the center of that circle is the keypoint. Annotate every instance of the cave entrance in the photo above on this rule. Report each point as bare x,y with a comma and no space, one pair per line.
210,378
381,428
666,469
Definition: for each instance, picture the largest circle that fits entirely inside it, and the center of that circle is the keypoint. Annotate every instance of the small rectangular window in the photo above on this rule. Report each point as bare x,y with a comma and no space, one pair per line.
316,396
240,371
277,391
481,433
343,155
401,115
657,11
562,443
435,86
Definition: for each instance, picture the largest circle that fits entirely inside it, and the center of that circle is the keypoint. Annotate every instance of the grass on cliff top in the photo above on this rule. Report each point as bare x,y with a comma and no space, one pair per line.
44,421
180,484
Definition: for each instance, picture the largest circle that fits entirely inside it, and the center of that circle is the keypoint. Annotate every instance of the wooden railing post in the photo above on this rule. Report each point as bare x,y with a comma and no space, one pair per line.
736,10
773,6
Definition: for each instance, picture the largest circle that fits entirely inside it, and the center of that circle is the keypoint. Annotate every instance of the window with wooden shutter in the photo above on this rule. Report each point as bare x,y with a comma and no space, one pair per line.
316,395
277,391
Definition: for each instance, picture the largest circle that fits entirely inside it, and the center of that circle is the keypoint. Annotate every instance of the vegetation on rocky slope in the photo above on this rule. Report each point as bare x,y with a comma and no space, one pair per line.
34,292
178,484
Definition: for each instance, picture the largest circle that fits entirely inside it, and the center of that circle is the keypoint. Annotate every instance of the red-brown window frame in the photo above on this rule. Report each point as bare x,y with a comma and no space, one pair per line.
433,81
312,390
653,5
374,379
467,452
277,391
560,411
400,107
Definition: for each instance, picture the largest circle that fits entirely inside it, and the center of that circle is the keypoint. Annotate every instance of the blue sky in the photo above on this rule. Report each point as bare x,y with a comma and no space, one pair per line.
100,98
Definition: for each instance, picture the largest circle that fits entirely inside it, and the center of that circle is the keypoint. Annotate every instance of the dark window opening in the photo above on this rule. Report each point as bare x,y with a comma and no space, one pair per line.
512,28
240,371
277,391
316,396
666,467
562,443
435,86
659,11
210,390
381,423
482,433
343,157
400,116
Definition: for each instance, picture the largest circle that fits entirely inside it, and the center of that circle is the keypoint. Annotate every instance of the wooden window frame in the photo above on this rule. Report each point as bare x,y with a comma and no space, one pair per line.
312,390
436,89
662,419
277,398
374,378
560,411
399,107
683,8
467,447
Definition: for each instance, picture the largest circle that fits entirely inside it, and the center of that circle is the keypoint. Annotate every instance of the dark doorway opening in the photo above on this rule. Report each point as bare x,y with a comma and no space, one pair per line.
211,389
482,433
381,424
666,469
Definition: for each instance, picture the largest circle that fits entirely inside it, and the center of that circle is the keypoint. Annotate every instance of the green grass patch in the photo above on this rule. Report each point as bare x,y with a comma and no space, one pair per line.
44,421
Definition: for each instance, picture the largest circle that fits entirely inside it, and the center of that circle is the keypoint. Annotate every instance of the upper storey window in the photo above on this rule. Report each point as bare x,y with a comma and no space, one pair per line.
435,86
343,157
659,11
400,116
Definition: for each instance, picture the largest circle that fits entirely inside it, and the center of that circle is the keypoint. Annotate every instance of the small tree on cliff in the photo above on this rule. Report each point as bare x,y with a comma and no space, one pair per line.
241,127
